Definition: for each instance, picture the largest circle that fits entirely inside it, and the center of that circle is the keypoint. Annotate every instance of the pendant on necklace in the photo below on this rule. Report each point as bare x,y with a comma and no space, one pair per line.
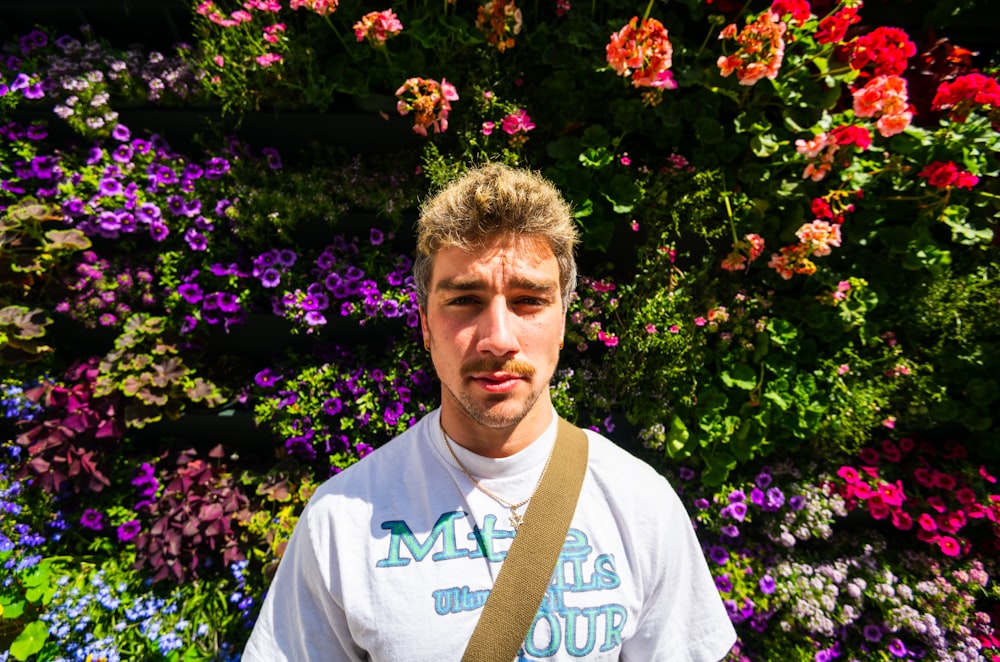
515,519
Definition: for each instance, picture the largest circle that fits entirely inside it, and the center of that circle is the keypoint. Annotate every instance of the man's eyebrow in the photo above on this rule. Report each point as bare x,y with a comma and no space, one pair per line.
460,284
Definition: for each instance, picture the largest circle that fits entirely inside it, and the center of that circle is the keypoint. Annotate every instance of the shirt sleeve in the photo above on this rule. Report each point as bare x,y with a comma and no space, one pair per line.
683,618
300,619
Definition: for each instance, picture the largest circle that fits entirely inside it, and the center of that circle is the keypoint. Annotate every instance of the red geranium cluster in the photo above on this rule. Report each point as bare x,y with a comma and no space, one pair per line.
945,174
799,10
761,49
966,94
643,50
430,102
833,28
941,504
884,49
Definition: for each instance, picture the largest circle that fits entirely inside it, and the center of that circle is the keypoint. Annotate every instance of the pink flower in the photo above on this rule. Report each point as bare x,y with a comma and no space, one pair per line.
429,101
609,339
650,329
517,122
267,59
642,51
884,97
949,546
321,7
625,160
761,49
674,329
488,128
843,369
377,26
700,321
926,522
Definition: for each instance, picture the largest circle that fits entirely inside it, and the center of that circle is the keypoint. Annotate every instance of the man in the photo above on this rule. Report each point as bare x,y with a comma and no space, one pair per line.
393,559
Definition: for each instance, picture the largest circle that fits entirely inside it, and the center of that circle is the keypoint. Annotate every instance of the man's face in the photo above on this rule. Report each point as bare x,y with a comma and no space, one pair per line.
494,321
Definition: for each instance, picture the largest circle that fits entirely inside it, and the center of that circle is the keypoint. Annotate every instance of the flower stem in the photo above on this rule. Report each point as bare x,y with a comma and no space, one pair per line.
649,8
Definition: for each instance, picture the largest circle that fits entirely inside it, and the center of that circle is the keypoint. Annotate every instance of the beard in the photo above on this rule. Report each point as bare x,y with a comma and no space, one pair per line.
493,414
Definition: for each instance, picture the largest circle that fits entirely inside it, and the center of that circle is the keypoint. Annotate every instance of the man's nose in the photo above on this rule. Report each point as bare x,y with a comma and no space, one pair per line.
496,329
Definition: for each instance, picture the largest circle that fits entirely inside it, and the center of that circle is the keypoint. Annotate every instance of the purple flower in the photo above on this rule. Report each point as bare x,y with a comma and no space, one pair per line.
701,504
774,499
148,213
122,153
221,206
189,323
285,257
686,473
109,186
797,502
34,91
128,530
763,479
273,158
730,531
723,584
227,302
766,584
158,231
718,554
897,648
314,318
737,496
190,292
216,167
738,511
195,171
266,378
121,133
165,175
757,497
195,240
92,519
390,308
270,277
376,237
873,633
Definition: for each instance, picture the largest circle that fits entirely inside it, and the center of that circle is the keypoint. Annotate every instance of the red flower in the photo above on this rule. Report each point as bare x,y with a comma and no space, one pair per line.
962,95
833,28
885,49
799,9
852,135
944,174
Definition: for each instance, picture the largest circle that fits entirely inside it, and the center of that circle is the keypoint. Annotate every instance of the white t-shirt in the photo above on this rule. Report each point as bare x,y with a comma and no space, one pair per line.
393,559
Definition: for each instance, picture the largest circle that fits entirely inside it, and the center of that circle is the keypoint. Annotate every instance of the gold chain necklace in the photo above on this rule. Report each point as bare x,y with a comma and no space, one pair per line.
516,519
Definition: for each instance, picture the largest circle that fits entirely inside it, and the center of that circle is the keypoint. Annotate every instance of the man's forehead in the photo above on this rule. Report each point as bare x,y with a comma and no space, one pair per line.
522,255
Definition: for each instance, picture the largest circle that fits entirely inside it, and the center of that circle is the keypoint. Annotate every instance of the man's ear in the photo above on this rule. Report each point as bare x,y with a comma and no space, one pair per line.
423,326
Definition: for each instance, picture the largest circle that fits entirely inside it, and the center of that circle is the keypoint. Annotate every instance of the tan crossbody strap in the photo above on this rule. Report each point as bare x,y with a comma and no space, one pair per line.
527,570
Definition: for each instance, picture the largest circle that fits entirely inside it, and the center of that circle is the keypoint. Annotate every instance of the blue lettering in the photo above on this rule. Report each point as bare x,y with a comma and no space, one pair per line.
555,635
613,630
605,574
454,600
570,614
444,529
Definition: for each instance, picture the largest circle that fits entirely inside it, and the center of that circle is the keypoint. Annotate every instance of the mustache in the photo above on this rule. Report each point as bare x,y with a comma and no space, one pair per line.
515,367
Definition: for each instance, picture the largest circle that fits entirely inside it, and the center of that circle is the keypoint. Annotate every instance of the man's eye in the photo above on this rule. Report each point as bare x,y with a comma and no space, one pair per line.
531,301
461,301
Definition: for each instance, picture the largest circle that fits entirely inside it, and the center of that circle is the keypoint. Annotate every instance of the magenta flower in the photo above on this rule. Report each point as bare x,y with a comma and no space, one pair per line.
517,122
129,530
92,519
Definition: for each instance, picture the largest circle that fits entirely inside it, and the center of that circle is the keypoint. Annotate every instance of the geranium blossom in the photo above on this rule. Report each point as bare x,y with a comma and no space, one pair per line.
885,49
825,148
833,28
744,251
885,97
377,26
501,21
429,101
321,7
643,51
967,93
944,174
799,10
761,49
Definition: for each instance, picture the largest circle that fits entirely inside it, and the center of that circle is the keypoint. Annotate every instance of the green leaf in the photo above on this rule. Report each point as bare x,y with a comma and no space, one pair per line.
741,376
717,468
12,610
30,641
677,437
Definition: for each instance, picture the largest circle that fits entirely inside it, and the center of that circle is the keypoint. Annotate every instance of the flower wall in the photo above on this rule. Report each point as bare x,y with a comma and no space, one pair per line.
788,303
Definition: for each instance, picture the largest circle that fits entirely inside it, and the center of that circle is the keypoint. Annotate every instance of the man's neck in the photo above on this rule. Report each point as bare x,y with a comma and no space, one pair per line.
495,442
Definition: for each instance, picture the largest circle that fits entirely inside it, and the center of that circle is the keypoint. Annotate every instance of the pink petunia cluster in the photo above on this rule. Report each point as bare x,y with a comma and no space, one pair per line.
429,101
943,504
321,7
885,97
377,26
643,51
945,174
761,49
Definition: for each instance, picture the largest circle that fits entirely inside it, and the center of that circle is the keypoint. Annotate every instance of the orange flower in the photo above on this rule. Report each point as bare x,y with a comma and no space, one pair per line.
500,20
643,51
761,49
